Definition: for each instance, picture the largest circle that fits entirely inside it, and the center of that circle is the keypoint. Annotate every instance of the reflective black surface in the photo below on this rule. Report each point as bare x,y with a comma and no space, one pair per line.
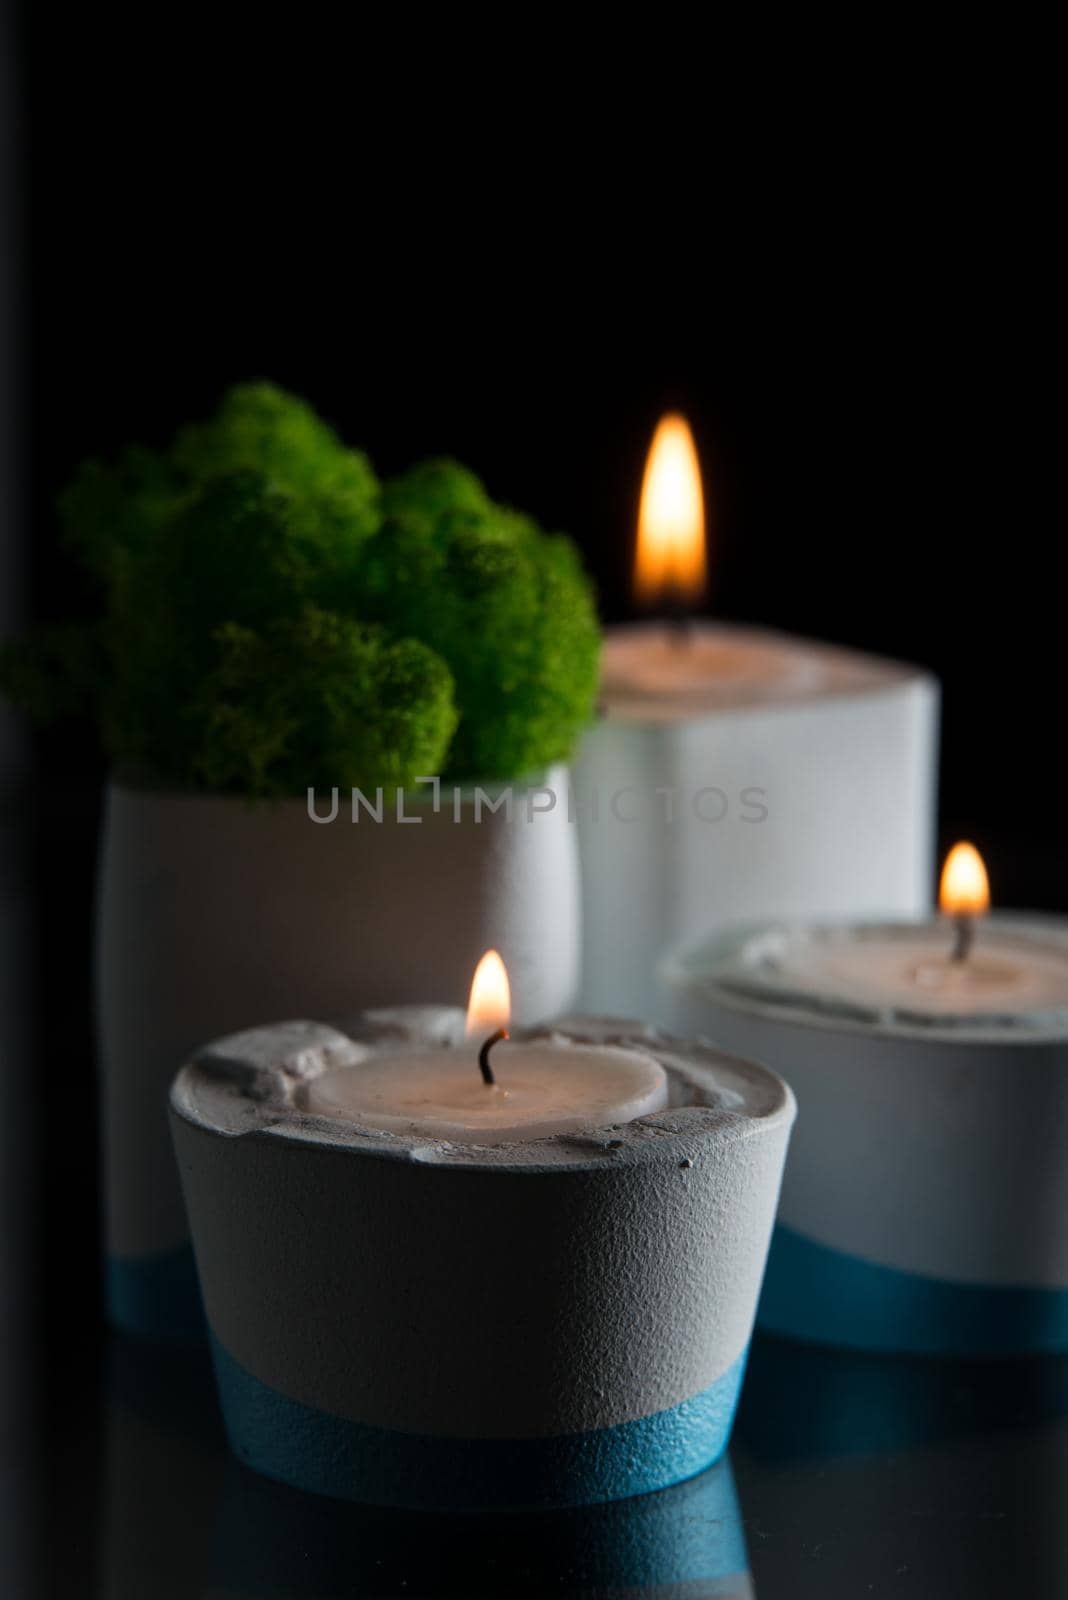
847,1476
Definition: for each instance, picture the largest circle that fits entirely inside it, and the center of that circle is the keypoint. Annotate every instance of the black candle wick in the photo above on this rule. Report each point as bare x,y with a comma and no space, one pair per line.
483,1055
963,936
682,624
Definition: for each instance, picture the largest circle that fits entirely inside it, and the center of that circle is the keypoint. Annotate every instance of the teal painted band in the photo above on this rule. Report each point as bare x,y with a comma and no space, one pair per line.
812,1291
157,1297
324,1454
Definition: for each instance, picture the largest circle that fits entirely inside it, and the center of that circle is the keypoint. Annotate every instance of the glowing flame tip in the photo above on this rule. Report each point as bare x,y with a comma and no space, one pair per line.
490,1005
671,560
964,889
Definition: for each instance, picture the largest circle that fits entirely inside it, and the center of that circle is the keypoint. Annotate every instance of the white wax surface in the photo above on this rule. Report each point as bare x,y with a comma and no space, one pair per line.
544,1088
694,659
1014,971
707,666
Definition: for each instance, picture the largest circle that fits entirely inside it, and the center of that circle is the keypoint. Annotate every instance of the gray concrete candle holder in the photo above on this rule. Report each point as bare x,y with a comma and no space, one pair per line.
430,1324
215,914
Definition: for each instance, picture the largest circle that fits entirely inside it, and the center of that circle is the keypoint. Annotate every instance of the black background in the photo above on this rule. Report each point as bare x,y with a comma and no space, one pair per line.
859,326
858,331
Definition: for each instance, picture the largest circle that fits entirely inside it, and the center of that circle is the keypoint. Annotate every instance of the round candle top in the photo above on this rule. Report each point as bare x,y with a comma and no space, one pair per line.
1015,977
550,1086
662,670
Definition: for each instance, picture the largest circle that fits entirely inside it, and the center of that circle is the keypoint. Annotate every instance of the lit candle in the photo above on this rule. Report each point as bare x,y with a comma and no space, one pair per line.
679,658
407,1311
947,969
964,893
925,1202
670,555
736,772
527,1091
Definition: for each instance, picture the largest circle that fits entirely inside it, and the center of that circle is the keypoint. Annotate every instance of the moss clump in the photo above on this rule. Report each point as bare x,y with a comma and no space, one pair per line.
274,619
261,428
507,607
239,559
431,489
334,700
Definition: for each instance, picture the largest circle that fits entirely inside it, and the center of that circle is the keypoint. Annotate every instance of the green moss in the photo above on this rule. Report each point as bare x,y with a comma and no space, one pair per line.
508,608
274,619
431,489
260,427
236,551
321,700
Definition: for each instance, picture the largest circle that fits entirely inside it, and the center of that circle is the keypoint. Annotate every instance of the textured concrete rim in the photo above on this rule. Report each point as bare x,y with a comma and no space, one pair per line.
234,1097
711,985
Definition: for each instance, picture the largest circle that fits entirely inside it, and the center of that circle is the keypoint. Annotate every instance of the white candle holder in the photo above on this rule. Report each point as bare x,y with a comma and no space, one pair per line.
430,1324
214,914
925,1204
787,779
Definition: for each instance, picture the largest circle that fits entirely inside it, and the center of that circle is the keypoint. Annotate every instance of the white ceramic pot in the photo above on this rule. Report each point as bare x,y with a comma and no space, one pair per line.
214,915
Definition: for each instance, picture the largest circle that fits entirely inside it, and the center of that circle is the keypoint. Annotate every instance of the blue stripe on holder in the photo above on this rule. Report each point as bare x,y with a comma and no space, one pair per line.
324,1454
812,1291
156,1296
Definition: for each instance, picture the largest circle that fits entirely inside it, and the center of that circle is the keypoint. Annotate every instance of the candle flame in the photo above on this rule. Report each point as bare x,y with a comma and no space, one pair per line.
964,889
490,1006
671,561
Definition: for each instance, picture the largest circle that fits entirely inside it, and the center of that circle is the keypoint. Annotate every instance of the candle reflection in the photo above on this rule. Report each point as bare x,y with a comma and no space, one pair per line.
806,1403
828,1443
184,1518
273,1541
